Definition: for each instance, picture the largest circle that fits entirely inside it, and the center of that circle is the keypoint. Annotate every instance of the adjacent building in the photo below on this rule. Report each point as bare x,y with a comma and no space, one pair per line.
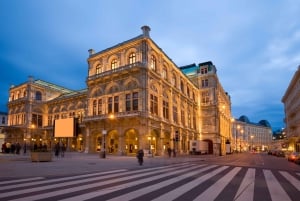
291,103
249,136
3,126
135,98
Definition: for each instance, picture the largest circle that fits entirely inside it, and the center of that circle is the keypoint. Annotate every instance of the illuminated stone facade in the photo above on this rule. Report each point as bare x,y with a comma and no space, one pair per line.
291,103
136,97
249,136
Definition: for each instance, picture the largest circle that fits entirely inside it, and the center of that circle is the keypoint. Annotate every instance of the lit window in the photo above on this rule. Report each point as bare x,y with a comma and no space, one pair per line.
99,69
132,58
114,64
153,63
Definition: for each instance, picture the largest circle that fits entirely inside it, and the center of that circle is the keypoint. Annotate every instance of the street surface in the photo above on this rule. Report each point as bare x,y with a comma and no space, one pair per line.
78,176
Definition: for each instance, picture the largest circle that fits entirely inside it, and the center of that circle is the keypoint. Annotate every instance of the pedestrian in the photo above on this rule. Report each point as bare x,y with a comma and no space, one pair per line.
24,148
63,149
140,156
56,149
18,148
169,152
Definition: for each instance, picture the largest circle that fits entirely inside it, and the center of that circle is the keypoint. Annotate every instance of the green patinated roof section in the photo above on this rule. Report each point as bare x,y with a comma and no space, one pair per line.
71,94
53,86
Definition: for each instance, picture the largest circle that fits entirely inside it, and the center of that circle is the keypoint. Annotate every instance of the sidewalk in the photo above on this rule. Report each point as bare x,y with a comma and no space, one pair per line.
18,166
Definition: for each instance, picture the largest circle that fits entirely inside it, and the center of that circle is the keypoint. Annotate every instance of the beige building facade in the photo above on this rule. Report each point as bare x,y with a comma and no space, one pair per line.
291,101
136,98
249,136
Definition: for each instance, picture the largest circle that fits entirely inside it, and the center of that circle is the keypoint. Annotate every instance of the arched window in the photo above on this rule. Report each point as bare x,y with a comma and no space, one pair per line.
164,73
132,58
173,80
99,69
114,64
153,63
38,95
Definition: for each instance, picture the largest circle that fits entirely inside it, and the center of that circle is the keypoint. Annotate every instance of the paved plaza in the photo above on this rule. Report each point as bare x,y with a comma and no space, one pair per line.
18,166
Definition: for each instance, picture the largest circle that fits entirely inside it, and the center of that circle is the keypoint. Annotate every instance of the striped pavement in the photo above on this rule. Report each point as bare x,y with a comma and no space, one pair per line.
184,181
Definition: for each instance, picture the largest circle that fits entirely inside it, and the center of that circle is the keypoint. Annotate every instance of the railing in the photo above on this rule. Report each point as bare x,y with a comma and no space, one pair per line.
119,69
116,115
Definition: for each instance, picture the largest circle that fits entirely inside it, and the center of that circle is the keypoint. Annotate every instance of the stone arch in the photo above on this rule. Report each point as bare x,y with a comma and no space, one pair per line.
112,88
131,140
97,91
131,84
130,51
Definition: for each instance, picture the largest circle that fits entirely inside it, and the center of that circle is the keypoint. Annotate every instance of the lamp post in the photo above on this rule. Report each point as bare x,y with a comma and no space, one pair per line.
104,133
252,142
236,134
149,139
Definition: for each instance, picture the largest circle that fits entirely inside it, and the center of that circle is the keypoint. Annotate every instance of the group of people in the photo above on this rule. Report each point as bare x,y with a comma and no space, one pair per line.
59,149
13,148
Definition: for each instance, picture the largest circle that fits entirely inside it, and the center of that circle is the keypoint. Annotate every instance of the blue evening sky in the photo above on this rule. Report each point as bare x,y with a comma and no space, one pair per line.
255,44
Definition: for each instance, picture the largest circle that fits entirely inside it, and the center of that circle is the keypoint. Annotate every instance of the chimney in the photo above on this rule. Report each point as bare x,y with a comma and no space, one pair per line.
30,78
91,52
146,31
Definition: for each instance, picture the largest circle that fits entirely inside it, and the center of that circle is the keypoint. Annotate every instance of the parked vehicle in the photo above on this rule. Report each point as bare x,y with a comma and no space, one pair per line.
293,156
297,160
280,154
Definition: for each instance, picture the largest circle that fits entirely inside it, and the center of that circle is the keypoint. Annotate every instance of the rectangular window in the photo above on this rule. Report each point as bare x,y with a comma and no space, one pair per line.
110,105
182,118
165,109
175,114
204,70
128,102
99,106
204,83
116,104
37,120
135,101
94,107
49,120
153,104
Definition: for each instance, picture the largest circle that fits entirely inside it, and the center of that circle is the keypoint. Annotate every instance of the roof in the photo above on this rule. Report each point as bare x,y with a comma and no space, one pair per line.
52,86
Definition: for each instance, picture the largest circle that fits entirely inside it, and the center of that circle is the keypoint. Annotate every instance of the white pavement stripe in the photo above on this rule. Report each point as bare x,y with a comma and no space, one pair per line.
148,189
213,191
19,180
104,181
63,184
58,180
295,182
276,191
122,186
171,195
246,189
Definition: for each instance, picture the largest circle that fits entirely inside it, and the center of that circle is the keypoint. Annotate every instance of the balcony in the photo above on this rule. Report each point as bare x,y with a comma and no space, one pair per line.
116,115
117,70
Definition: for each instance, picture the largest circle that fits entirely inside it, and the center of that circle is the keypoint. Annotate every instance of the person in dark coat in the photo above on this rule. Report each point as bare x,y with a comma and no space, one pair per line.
140,156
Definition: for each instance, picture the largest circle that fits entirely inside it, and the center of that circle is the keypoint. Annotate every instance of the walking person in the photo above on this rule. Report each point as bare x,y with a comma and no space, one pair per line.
140,156
63,149
169,152
56,149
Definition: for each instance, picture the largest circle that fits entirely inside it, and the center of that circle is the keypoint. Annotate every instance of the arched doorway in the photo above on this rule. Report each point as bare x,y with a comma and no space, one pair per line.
112,142
131,142
210,146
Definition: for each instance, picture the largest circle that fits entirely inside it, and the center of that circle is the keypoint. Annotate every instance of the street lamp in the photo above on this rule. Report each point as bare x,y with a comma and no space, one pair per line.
149,139
104,133
252,142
